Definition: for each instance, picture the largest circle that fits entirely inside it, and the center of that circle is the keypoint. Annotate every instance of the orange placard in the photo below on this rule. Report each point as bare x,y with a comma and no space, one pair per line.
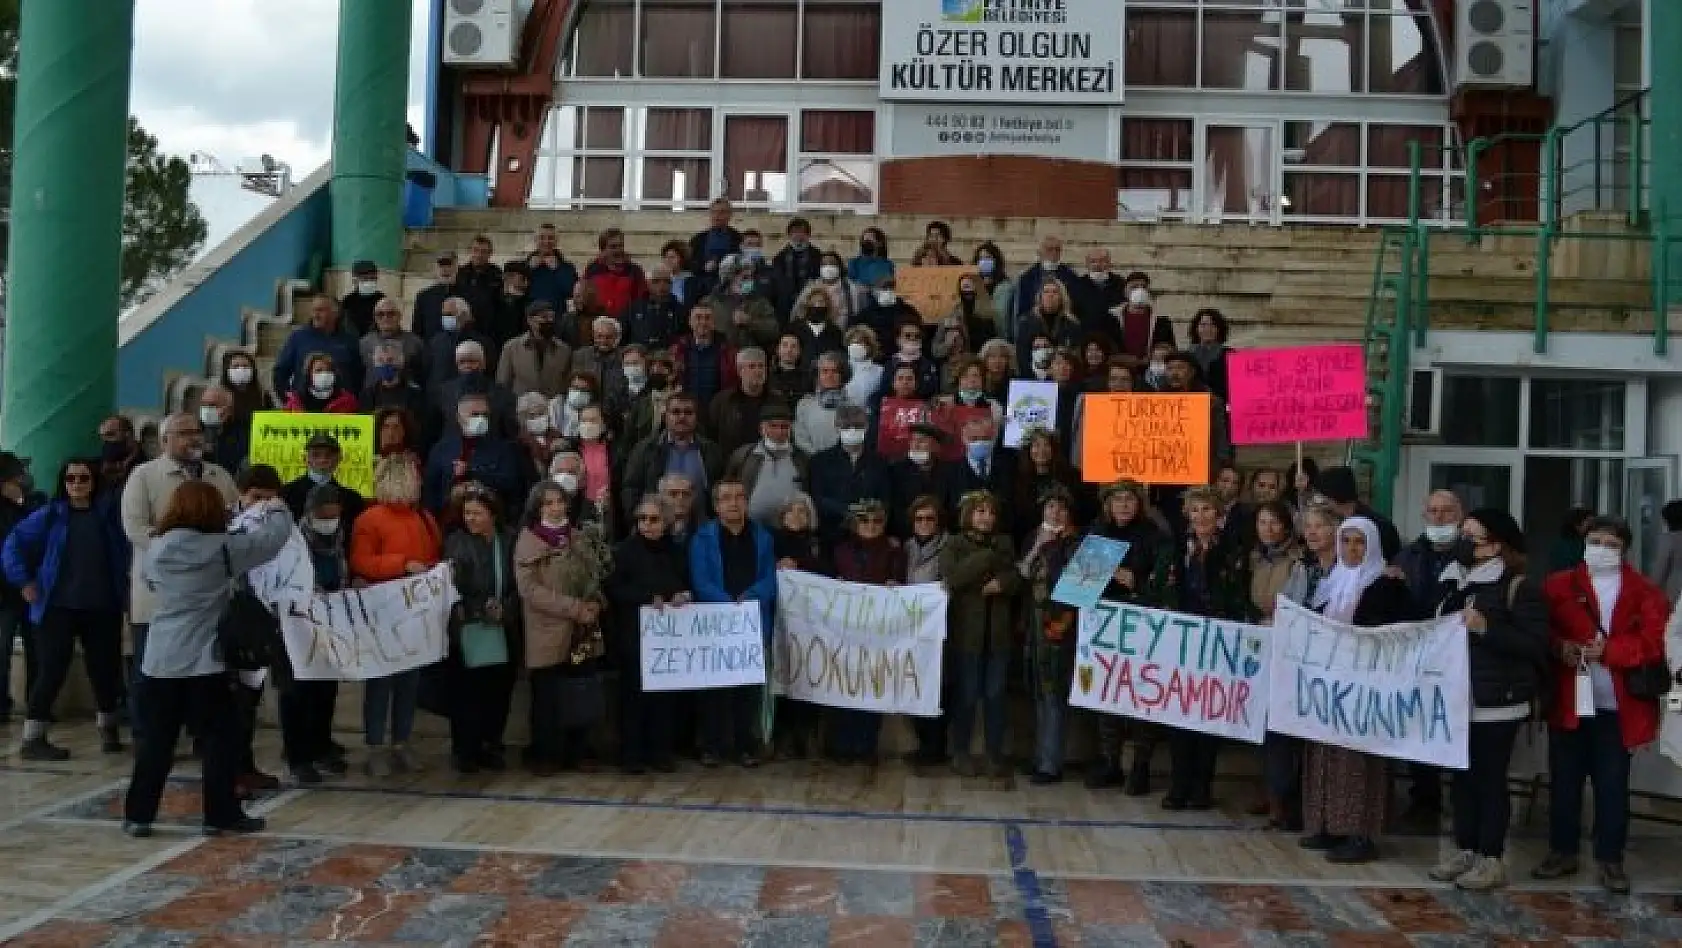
1153,439
932,291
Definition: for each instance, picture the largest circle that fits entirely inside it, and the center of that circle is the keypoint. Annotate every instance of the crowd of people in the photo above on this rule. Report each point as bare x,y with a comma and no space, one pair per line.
580,445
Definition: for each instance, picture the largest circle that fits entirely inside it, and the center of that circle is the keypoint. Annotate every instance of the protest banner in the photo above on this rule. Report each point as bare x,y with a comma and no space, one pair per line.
702,645
1399,691
278,439
1206,675
1307,393
951,419
894,419
1089,571
1029,405
1149,438
380,630
849,645
931,291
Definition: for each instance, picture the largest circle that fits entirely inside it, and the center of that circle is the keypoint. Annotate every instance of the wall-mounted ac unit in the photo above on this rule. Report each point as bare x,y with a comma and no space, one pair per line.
482,34
1494,44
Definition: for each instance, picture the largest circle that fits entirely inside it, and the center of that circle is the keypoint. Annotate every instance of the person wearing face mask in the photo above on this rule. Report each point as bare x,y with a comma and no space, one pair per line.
635,408
886,311
867,556
326,335
908,352
474,452
813,322
567,471
872,264
239,377
473,377
358,305
772,469
458,326
1134,328
655,321
320,390
864,369
922,471
848,472
1607,625
978,568
1100,293
843,292
1051,628
794,266
306,707
1421,563
535,361
1508,660
1153,375
742,305
1052,317
968,326
814,416
389,386
596,449
996,284
388,327
1033,281
322,456
968,387
537,436
226,440
1040,351
984,467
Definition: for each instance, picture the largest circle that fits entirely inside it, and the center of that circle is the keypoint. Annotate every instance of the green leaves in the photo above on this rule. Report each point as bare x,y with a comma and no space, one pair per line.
162,228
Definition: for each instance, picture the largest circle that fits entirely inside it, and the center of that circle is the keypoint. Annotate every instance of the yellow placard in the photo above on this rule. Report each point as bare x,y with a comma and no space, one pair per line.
1149,438
278,439
933,291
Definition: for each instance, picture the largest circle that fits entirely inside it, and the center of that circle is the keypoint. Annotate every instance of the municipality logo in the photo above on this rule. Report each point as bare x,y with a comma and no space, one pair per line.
962,11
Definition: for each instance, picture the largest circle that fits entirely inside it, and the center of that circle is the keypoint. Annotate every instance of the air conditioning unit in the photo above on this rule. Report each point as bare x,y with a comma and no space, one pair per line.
1495,44
483,34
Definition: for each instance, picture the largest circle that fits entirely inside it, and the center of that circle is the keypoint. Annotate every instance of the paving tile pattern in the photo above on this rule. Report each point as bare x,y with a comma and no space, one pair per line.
277,893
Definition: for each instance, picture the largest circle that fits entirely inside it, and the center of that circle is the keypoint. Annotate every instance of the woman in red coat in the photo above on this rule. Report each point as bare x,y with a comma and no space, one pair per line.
1605,619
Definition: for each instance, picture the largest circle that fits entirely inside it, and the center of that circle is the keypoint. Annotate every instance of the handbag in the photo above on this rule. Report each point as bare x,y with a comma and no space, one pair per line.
248,634
1648,681
485,643
583,701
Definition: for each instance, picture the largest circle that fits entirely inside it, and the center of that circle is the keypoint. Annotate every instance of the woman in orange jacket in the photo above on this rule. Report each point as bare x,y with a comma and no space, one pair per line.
393,538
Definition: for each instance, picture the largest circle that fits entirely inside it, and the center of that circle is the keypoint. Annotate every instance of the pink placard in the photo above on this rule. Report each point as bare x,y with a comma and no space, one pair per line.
1308,393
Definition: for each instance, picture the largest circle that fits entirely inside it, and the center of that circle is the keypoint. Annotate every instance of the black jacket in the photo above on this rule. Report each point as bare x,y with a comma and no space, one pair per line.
807,549
791,270
654,323
646,464
1386,601
297,493
1509,659
1422,567
641,571
1388,536
357,311
428,316
475,577
837,483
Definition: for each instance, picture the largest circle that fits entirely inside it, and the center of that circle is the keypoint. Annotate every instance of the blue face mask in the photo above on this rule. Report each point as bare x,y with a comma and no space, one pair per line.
321,477
747,286
979,450
985,265
385,373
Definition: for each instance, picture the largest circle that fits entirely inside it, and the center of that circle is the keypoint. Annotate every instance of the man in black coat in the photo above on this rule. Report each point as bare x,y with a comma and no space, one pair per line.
1337,485
322,454
849,472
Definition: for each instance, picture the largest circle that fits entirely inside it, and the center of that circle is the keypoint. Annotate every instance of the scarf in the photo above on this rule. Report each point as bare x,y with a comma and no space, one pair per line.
1489,571
557,537
1341,590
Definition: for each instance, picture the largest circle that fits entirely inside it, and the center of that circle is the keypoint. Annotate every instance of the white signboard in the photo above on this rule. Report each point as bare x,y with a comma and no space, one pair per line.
922,130
1198,674
848,645
380,630
1063,51
702,645
1398,691
1029,405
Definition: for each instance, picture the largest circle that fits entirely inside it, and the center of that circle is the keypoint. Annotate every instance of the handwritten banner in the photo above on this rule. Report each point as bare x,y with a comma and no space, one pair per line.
1149,438
1309,393
1029,405
849,645
932,291
1088,574
1397,691
703,645
1205,675
372,632
278,439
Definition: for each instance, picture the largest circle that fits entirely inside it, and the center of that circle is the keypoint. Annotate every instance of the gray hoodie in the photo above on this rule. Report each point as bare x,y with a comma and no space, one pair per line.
184,570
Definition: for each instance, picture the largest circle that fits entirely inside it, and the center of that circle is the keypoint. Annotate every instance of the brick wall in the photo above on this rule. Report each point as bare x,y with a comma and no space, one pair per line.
999,186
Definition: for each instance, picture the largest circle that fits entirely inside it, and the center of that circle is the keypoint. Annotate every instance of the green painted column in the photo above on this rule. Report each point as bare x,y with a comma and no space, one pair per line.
1664,39
66,239
370,108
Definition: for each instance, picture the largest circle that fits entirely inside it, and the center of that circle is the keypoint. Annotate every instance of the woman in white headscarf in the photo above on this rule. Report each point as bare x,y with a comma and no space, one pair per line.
1344,790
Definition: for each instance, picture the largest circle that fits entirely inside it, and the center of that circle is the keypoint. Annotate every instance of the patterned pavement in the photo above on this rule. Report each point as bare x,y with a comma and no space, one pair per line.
270,893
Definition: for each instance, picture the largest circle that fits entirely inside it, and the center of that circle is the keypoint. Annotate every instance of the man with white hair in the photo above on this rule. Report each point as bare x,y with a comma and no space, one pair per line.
602,357
392,385
733,416
388,327
471,378
145,497
474,451
226,441
457,327
1420,564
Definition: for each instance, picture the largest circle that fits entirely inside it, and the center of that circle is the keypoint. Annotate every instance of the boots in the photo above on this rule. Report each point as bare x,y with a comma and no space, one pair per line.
110,741
39,748
1138,776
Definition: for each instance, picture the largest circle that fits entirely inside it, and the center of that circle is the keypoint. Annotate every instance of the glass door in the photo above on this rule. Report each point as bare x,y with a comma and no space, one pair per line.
1479,477
755,159
1651,483
1240,169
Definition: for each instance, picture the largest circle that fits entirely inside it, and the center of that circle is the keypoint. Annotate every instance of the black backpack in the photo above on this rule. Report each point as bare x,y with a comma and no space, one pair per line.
248,634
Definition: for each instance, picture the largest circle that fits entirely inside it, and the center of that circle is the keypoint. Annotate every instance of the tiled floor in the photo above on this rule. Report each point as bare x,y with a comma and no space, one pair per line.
801,855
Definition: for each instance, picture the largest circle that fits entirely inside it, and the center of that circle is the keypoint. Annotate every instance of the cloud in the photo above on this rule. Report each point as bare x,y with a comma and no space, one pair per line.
241,78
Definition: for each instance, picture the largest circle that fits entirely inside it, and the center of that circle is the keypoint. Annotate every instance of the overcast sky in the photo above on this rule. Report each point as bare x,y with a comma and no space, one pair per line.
238,78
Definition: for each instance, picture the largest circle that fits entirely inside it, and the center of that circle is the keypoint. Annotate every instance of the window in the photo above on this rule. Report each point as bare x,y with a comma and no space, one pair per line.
1322,169
756,158
677,156
678,38
757,39
841,40
581,157
1155,177
1480,412
601,46
1577,415
837,157
1162,48
1326,49
1401,61
1241,50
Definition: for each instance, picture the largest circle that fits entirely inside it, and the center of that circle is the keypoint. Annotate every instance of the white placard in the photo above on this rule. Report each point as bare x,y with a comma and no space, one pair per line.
930,129
380,630
702,645
849,645
1029,405
1206,675
1399,691
1063,51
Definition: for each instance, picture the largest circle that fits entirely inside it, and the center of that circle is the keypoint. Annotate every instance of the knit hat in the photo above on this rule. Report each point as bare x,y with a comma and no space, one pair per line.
1338,484
1500,526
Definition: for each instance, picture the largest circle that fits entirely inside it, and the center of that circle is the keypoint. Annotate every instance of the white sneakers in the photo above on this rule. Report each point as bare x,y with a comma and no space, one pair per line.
1467,870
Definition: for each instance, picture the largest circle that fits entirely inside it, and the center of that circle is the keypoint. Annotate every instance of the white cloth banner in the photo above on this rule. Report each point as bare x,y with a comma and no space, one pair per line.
355,634
1184,671
702,645
848,645
1399,691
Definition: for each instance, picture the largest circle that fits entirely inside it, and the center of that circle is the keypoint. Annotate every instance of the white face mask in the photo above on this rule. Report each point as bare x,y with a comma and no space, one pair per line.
776,447
1139,296
240,374
590,430
578,398
1042,358
209,416
918,456
858,352
911,348
886,297
450,322
568,482
1158,368
1602,559
324,527
1048,265
852,437
367,287
1099,276
322,381
1441,534
475,426
829,272
537,425
554,523
636,375
1048,527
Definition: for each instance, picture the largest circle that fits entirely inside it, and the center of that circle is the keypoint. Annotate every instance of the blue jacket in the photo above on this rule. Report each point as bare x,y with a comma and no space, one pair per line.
35,548
866,271
495,464
552,285
347,359
706,571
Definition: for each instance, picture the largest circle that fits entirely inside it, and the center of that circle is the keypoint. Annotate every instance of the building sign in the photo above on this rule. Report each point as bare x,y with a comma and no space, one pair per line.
923,130
1063,51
